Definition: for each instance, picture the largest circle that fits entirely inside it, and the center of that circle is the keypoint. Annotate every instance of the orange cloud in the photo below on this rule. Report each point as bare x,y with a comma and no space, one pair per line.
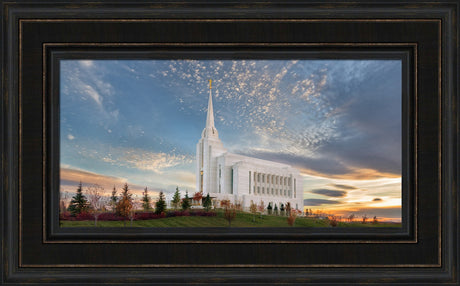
71,177
355,174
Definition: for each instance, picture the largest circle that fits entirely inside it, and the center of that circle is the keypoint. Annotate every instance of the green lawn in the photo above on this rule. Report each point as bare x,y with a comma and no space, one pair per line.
242,220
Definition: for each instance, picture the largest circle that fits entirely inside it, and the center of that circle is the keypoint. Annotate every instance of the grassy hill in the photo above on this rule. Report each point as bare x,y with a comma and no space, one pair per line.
242,220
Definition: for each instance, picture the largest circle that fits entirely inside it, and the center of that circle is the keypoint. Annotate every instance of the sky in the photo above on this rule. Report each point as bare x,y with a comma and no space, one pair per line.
138,121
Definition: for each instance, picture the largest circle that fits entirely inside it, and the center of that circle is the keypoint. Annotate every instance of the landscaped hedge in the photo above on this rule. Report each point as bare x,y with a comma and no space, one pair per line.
137,215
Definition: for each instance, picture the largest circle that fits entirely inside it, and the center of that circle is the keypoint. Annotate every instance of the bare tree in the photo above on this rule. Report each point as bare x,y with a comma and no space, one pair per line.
375,220
261,207
113,200
62,206
229,213
94,194
288,209
364,217
132,213
333,221
351,217
292,217
253,210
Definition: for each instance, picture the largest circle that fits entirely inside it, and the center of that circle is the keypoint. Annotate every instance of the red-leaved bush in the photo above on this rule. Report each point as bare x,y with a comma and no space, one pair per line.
66,216
110,217
137,216
84,216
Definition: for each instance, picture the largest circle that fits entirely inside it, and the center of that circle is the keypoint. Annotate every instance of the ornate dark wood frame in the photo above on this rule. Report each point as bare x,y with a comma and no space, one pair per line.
36,35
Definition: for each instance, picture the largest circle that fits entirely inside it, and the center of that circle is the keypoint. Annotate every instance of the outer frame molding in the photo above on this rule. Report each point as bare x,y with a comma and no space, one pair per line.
20,268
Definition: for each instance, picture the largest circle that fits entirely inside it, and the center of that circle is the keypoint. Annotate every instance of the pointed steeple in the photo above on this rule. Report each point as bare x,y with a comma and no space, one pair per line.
210,117
210,130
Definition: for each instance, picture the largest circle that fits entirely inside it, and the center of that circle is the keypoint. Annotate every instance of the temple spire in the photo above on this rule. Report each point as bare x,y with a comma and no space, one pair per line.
210,117
210,131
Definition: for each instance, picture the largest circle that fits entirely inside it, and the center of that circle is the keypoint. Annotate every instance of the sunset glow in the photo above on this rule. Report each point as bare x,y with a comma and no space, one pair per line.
337,121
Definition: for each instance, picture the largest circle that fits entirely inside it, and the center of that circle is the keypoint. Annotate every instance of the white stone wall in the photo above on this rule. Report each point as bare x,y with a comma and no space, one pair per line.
208,149
242,165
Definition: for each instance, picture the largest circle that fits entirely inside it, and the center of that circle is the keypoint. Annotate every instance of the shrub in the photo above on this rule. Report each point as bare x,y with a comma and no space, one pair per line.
136,216
84,216
110,217
333,221
291,220
229,214
66,216
375,220
269,208
146,216
292,217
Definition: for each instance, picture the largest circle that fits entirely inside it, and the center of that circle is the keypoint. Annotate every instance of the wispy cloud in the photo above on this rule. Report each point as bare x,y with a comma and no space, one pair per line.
329,193
344,187
319,202
135,158
144,160
320,115
85,81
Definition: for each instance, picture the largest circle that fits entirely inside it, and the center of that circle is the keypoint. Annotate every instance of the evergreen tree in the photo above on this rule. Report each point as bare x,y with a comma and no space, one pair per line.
114,199
186,202
146,200
176,199
269,208
125,204
207,203
160,205
79,203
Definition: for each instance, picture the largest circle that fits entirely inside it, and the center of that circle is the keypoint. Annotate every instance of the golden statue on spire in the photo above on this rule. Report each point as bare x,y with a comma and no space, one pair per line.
210,82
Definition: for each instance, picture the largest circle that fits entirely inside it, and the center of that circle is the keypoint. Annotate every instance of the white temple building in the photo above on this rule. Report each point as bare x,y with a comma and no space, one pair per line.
242,179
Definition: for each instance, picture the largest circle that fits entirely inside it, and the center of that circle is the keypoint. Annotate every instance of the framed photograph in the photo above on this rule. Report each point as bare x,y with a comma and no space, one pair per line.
230,143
